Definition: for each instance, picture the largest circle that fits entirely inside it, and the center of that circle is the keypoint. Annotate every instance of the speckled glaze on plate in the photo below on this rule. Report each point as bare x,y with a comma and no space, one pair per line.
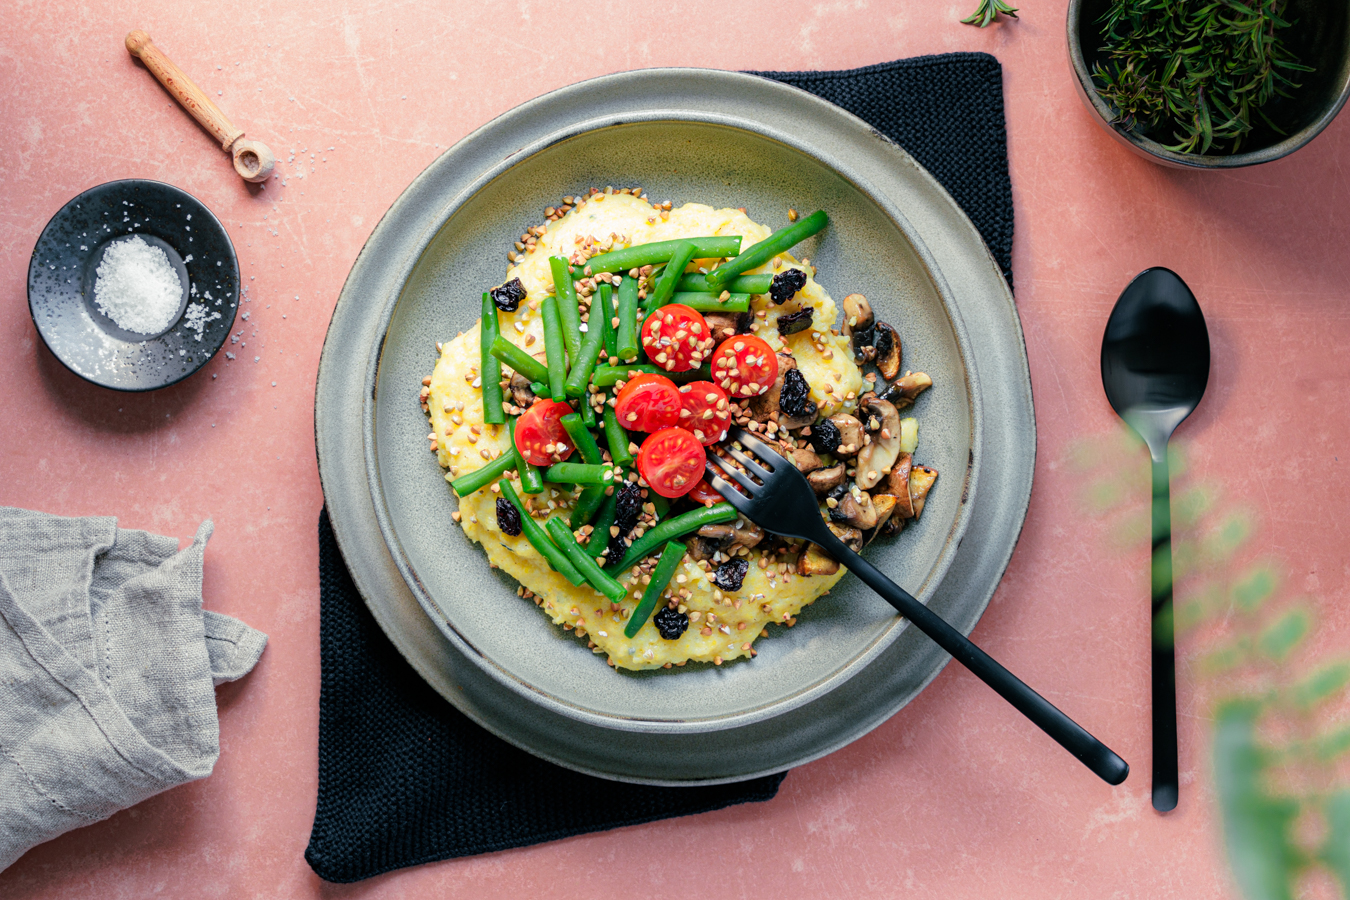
61,276
688,135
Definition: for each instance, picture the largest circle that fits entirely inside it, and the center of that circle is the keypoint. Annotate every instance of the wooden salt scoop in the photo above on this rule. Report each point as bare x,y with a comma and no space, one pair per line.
252,160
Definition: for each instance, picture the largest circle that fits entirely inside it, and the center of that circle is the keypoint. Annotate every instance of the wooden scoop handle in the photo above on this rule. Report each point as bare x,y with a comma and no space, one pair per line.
176,82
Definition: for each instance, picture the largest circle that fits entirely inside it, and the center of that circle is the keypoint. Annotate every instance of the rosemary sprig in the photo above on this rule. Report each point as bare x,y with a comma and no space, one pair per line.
987,11
1204,67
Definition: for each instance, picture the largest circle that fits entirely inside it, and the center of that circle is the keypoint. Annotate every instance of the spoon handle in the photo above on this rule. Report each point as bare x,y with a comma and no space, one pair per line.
184,90
1165,787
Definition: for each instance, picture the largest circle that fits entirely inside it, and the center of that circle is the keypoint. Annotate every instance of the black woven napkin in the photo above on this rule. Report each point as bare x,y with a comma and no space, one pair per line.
404,777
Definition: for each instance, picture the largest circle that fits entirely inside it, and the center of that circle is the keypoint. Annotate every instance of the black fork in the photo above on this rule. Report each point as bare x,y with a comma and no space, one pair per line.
780,499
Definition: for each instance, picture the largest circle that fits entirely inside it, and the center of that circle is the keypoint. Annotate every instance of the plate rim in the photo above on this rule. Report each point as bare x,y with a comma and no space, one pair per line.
769,709
427,650
233,258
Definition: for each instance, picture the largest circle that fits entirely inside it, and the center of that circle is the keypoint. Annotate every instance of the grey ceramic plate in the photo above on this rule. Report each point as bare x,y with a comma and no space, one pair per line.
712,137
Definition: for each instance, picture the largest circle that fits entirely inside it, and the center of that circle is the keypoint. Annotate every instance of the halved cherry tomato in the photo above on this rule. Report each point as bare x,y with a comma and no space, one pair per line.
672,462
745,366
704,493
677,338
648,403
540,435
704,411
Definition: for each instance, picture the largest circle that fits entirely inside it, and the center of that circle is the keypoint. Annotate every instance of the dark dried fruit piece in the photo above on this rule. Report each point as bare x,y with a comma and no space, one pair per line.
795,398
786,284
795,322
670,622
825,436
627,507
615,549
508,296
508,517
731,573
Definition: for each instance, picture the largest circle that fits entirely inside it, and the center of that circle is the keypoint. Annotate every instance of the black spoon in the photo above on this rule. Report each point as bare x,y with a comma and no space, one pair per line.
1155,363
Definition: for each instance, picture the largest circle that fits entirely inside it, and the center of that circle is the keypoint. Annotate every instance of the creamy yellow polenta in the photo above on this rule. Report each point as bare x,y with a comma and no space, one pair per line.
723,625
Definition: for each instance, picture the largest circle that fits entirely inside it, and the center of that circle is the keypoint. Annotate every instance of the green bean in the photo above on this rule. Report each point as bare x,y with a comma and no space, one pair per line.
603,583
489,369
702,302
745,284
660,504
553,350
584,362
539,540
661,575
617,439
584,441
520,361
539,388
672,528
665,285
779,242
566,294
481,478
604,520
606,301
587,412
711,247
607,376
626,342
531,482
592,495
578,473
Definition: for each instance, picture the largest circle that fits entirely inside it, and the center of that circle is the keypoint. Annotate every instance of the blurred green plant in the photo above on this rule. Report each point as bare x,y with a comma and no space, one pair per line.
1279,752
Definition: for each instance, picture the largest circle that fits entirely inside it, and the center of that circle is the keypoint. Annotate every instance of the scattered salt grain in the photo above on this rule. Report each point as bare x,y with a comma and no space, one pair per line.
136,286
196,316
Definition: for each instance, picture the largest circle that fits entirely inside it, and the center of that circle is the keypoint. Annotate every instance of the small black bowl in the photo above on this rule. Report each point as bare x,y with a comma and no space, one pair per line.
1319,37
62,272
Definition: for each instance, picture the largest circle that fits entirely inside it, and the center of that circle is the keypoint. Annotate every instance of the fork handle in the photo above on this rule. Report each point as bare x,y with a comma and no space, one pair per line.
1068,733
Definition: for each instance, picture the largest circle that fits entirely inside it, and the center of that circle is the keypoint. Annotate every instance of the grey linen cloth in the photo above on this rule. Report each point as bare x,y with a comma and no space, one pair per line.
107,669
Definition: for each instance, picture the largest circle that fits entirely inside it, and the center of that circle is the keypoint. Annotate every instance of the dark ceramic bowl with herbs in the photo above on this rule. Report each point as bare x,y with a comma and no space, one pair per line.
1317,36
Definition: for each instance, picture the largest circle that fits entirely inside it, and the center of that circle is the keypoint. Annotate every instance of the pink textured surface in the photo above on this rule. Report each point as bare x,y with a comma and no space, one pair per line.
956,796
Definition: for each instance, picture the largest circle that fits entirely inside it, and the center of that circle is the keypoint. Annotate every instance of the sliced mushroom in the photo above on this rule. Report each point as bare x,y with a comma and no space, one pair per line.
806,460
701,548
921,480
856,508
893,525
897,486
722,325
521,394
852,537
825,480
815,561
746,533
857,315
887,344
877,458
850,434
885,507
717,533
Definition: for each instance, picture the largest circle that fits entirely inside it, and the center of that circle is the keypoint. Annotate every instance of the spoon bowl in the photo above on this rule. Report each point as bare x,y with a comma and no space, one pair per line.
1155,365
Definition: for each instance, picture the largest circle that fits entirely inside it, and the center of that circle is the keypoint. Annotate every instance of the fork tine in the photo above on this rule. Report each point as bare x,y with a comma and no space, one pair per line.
726,469
750,463
723,487
760,448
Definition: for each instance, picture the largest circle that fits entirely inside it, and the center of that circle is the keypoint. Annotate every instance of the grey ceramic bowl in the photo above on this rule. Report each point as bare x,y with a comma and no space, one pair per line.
1320,38
686,135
